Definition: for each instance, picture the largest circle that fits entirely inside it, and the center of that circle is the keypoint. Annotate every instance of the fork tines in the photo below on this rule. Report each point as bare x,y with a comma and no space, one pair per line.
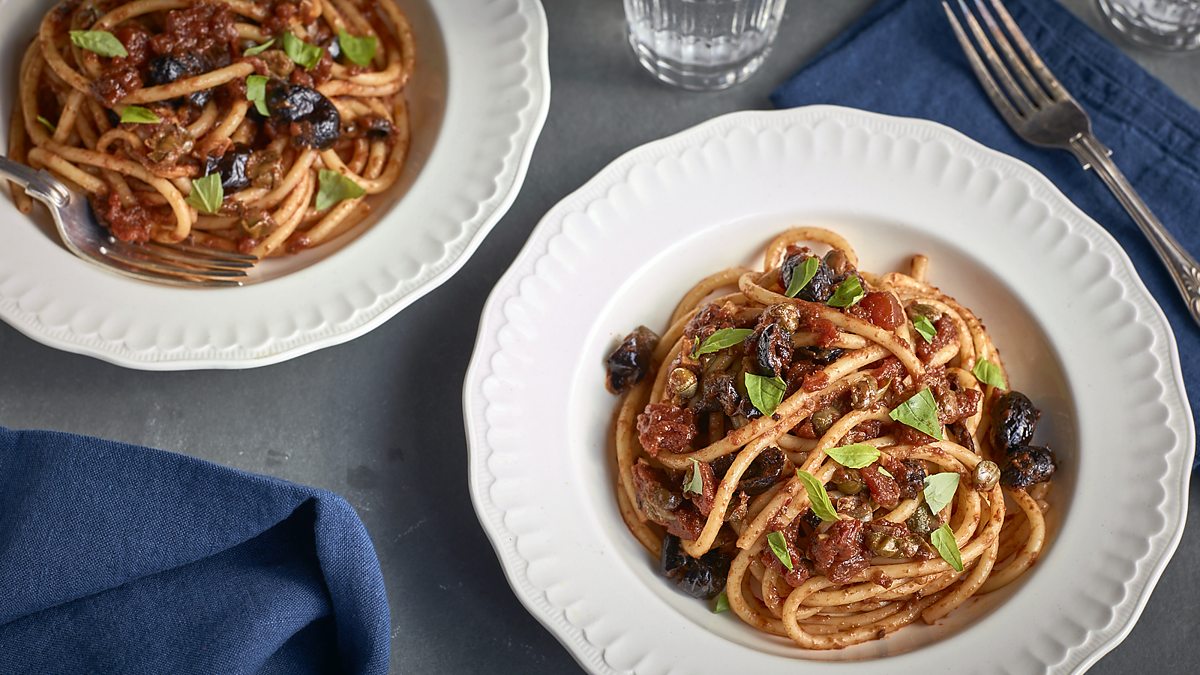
1037,86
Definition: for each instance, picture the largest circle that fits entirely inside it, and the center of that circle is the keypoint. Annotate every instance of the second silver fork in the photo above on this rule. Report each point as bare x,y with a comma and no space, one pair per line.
1042,112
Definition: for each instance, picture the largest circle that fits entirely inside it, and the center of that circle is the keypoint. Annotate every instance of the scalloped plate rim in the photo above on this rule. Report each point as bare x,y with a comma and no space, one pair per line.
507,287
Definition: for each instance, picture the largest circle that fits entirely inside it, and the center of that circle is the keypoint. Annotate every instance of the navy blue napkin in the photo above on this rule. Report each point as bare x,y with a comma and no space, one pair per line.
901,58
121,559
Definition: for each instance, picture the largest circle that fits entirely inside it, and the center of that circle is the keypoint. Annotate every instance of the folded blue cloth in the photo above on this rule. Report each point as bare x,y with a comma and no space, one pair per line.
121,559
901,58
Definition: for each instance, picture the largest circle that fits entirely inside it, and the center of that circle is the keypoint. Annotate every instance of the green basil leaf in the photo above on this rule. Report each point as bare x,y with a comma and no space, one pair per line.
726,337
818,498
925,327
695,484
947,547
848,292
334,188
301,52
101,42
766,393
360,50
779,547
256,92
47,123
136,114
939,490
802,275
920,412
721,604
207,193
258,49
854,456
989,373
886,473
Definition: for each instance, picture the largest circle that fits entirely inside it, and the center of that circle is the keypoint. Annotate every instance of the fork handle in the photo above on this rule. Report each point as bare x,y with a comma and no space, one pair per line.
38,183
1184,269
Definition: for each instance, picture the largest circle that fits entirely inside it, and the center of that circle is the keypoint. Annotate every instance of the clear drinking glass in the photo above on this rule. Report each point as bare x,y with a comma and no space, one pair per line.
702,44
1166,24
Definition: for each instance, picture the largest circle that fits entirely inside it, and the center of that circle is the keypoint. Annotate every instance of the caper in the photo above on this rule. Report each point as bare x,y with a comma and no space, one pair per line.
920,309
855,506
848,481
922,521
883,545
863,394
683,382
823,419
837,261
785,314
987,474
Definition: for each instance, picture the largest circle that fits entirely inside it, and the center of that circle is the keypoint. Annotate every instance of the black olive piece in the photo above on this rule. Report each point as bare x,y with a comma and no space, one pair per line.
673,561
320,123
773,350
232,168
113,118
718,394
819,289
1027,465
200,98
167,69
379,127
630,361
818,355
1014,420
705,578
763,472
811,519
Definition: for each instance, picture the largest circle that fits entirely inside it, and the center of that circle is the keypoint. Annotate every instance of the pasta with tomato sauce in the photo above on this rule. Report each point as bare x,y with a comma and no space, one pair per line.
831,454
251,125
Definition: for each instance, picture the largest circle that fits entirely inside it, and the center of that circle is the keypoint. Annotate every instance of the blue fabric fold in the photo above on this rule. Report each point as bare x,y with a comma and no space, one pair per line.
901,58
121,559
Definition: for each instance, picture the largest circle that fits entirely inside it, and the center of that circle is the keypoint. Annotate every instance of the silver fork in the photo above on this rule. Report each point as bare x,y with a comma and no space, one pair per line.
1043,113
175,265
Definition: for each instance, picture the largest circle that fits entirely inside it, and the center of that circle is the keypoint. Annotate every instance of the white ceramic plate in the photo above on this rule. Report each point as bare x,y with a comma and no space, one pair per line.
478,101
1078,330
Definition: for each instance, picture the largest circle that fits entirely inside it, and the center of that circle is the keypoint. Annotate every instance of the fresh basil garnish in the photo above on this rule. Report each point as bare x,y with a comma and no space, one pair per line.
802,275
779,547
766,393
136,114
721,604
301,52
695,484
925,327
207,193
989,373
334,188
854,456
360,50
818,498
258,49
721,339
886,473
848,292
100,42
939,490
947,547
919,412
47,123
256,93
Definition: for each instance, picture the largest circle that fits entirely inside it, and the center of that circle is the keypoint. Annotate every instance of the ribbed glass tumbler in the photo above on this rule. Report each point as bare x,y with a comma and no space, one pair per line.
702,44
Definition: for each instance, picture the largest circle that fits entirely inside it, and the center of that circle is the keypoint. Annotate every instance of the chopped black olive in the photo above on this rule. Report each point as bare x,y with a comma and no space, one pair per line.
763,472
703,578
318,120
630,361
1014,420
819,356
1027,465
819,288
232,167
773,350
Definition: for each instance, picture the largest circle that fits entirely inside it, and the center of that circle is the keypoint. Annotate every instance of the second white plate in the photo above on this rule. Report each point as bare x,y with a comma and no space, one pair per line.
1079,333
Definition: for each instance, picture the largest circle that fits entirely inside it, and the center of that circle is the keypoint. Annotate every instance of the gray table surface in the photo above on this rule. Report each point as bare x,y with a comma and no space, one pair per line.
378,420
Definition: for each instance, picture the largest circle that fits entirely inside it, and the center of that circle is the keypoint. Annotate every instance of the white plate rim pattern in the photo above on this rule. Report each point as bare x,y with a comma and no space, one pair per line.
489,386
505,43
